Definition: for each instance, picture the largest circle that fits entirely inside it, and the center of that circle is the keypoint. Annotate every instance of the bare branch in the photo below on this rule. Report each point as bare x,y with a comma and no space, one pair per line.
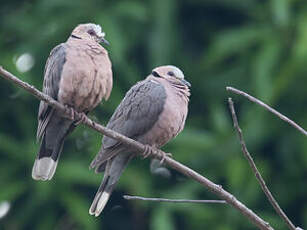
256,171
127,197
216,189
267,107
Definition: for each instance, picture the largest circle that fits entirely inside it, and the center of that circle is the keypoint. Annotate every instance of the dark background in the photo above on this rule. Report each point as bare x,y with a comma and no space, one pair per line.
257,46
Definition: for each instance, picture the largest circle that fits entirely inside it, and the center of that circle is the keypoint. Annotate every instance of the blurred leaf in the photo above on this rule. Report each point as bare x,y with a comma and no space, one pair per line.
12,191
231,42
264,64
77,172
162,220
281,12
78,208
133,9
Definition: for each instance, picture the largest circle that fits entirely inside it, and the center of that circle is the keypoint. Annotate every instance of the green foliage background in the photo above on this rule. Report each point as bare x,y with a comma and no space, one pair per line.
257,46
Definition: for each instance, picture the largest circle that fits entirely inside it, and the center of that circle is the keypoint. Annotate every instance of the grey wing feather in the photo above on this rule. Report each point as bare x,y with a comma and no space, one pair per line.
138,112
135,115
52,77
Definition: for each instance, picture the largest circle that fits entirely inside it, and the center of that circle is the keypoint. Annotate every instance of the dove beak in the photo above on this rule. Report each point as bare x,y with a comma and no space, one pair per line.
185,82
104,41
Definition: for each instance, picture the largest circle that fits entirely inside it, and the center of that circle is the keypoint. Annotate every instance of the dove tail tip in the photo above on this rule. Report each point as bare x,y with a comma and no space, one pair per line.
44,168
99,203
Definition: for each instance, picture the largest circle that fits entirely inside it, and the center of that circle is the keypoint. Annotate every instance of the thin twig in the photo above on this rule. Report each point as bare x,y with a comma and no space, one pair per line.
267,107
216,189
127,197
256,171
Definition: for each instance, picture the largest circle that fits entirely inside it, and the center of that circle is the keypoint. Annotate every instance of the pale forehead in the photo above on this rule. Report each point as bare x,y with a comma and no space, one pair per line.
176,70
167,68
84,27
164,70
95,27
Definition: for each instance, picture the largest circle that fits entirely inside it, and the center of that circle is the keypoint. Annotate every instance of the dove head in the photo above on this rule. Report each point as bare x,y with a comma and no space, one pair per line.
89,31
170,73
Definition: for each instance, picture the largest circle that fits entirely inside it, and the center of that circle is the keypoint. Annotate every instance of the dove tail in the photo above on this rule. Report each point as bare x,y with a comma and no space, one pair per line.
114,169
101,198
46,161
51,147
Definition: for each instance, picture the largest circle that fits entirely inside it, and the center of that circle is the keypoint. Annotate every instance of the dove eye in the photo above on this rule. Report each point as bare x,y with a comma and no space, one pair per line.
171,73
91,32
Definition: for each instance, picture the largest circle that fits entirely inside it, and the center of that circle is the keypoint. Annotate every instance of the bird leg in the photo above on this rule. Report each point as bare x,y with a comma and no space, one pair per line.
78,118
71,112
149,150
164,155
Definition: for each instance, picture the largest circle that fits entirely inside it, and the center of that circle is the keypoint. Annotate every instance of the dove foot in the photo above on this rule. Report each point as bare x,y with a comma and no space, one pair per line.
149,150
71,113
80,118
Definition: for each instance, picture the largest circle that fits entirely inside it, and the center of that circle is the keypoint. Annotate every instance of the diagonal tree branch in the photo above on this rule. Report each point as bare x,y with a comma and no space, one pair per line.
216,189
278,114
256,171
127,197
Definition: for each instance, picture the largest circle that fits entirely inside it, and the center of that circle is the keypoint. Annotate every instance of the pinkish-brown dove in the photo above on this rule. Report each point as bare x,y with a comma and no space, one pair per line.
152,112
78,74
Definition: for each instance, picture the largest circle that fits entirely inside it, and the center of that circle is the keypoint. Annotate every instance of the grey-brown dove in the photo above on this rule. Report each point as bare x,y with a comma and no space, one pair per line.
152,112
78,74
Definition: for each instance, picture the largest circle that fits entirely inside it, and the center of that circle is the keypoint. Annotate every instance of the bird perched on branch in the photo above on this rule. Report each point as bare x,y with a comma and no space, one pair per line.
78,74
152,112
